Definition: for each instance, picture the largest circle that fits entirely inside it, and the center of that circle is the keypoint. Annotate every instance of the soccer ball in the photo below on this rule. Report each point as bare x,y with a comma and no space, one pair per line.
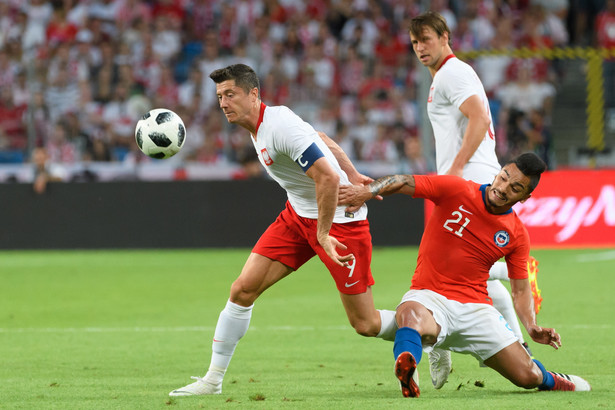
160,133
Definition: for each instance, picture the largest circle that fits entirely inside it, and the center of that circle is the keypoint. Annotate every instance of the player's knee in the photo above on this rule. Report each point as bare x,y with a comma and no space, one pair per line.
528,379
366,328
242,294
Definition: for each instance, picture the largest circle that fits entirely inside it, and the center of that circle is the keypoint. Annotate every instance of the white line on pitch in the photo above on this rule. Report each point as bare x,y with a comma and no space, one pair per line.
158,329
596,257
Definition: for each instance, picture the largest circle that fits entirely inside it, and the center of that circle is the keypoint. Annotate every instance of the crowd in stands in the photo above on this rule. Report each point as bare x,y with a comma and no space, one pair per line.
75,75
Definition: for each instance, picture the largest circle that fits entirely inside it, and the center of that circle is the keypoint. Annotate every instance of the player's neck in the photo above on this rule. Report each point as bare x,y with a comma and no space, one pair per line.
446,55
255,118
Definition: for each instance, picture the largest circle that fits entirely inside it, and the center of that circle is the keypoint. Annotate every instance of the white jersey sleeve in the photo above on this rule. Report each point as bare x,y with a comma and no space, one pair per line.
452,85
281,139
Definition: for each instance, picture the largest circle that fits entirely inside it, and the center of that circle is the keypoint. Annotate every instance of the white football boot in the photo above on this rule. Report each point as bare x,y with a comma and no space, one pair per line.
439,366
199,388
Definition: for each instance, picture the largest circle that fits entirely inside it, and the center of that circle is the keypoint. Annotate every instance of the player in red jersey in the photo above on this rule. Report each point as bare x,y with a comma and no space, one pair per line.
448,306
464,136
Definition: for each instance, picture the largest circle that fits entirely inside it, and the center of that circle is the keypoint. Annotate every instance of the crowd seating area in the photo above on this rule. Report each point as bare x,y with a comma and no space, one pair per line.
75,76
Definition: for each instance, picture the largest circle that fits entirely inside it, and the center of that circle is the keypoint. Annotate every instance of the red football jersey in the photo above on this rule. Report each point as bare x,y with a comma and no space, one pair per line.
462,240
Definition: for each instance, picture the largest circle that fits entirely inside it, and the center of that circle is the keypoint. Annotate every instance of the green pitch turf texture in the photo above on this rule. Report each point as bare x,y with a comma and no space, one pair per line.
120,329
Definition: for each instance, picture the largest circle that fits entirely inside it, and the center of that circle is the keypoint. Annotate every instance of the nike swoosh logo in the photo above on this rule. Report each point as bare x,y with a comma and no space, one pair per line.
351,284
462,209
219,341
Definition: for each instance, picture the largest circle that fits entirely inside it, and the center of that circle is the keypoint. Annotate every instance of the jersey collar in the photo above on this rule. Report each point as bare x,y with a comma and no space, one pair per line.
483,189
448,57
260,118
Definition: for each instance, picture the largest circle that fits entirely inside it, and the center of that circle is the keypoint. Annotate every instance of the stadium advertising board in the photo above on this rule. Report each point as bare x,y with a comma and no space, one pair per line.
572,208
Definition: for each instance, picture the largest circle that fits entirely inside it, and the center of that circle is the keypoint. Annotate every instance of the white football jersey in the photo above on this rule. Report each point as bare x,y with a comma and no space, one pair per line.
453,83
281,139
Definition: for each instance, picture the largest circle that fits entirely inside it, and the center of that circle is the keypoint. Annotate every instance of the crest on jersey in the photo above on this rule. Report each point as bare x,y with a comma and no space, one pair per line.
266,158
501,238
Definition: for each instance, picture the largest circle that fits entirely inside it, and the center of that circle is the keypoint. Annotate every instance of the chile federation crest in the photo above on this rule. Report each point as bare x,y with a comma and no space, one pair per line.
501,238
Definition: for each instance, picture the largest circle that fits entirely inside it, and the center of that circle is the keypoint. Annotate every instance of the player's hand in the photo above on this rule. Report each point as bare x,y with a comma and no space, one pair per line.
354,196
329,244
546,336
364,180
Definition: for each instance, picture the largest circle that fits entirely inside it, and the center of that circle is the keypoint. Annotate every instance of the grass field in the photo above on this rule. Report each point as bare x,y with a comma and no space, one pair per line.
120,329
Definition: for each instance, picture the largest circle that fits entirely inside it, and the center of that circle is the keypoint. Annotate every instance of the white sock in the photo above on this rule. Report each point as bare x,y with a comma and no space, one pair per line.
232,324
502,301
388,325
499,271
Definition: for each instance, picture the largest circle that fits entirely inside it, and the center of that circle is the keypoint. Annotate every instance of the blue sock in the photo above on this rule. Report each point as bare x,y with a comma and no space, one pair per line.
408,340
548,382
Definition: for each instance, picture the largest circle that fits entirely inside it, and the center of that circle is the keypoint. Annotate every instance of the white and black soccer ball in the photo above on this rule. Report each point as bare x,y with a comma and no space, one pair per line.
160,133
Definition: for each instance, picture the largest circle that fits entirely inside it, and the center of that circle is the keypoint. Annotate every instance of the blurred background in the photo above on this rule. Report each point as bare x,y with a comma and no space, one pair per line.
76,75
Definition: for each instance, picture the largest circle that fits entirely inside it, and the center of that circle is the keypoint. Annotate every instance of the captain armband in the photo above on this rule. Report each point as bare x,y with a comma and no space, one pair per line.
309,156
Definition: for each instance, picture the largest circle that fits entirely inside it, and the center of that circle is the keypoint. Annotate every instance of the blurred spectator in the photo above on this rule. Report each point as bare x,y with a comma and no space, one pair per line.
539,137
528,132
361,31
62,148
525,93
38,13
12,122
250,166
382,148
352,69
60,30
119,123
44,171
389,49
39,118
414,160
584,14
166,41
62,95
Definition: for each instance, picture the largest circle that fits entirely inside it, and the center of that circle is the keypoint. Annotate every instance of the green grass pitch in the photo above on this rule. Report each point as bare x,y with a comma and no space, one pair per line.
120,329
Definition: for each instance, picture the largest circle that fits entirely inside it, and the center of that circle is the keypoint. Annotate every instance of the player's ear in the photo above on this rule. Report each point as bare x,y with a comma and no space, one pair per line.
254,93
528,196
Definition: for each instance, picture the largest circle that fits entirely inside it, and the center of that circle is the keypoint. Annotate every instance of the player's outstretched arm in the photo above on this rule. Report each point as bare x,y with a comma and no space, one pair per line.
355,195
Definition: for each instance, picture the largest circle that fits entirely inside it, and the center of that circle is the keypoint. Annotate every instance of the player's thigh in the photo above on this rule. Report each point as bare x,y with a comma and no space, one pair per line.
414,314
478,329
258,274
361,312
515,364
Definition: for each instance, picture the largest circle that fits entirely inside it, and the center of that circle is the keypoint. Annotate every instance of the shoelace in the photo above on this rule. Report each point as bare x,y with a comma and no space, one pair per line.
198,379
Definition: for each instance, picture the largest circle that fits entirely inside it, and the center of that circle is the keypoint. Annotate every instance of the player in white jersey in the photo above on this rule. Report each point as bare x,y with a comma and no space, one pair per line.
459,113
310,167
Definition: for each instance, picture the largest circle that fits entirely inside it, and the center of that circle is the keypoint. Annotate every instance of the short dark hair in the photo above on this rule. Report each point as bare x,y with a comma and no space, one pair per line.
244,76
532,166
429,19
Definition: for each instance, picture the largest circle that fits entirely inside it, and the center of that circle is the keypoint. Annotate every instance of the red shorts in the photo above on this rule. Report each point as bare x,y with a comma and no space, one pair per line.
291,240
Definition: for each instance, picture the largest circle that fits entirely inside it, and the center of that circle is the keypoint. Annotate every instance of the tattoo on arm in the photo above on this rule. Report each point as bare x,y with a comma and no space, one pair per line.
390,184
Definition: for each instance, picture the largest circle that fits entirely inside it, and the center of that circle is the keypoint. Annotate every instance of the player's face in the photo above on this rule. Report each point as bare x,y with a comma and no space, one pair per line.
429,48
509,187
235,102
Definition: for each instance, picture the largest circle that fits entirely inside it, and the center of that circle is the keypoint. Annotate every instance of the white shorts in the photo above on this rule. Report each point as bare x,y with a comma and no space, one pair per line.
480,173
471,328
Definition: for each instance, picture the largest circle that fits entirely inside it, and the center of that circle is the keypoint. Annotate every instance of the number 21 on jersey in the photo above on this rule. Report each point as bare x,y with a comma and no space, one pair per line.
457,216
